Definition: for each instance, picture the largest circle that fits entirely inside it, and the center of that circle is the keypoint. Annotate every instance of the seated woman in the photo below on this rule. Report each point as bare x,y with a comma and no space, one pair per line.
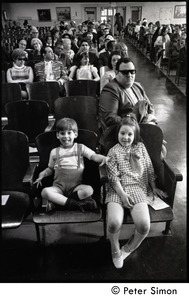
67,49
120,46
20,73
112,72
35,53
84,70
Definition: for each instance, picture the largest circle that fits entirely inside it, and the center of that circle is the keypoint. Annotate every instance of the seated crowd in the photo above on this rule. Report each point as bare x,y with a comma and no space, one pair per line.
86,51
163,43
70,52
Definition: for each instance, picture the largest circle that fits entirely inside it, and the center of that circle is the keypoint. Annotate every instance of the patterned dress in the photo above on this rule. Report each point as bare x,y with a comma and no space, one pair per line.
131,166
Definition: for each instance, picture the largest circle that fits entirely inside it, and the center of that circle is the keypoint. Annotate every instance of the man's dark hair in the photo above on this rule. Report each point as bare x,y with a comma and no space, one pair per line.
124,60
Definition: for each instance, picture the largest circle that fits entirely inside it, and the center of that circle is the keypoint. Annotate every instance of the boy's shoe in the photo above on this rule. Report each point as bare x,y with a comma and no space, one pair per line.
87,204
50,206
72,204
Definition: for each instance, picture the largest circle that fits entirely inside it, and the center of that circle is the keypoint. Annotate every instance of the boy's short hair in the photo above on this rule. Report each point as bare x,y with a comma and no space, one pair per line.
66,124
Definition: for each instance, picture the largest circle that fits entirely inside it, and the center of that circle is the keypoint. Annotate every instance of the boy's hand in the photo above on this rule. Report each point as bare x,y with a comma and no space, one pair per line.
104,161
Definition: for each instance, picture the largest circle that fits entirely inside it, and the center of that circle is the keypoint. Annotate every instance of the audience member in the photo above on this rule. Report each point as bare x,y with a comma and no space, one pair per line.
20,73
103,57
162,43
119,96
34,33
61,56
83,69
50,69
36,53
67,49
111,72
120,46
93,58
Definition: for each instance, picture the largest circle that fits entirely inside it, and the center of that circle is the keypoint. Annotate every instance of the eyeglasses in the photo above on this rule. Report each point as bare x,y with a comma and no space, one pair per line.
126,72
24,59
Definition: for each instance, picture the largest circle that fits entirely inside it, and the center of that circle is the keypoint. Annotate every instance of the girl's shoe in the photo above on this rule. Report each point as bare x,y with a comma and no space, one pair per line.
117,261
124,253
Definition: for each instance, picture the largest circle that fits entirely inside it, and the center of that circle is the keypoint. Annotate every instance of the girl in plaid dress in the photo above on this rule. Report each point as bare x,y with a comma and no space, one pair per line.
131,185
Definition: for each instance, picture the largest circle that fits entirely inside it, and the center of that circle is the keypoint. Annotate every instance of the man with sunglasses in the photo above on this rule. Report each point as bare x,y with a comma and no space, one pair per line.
120,95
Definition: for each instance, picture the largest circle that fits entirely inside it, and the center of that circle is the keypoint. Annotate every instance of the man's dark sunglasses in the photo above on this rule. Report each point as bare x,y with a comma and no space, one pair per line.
126,72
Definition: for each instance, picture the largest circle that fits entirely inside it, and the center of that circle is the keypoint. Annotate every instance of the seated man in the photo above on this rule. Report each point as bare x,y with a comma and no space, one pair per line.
60,56
119,96
50,69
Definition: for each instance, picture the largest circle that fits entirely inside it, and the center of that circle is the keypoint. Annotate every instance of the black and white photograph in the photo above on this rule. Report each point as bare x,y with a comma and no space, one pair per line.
93,150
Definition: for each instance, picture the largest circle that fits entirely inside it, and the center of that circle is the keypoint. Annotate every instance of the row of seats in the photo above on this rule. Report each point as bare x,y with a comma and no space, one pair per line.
31,116
48,91
22,197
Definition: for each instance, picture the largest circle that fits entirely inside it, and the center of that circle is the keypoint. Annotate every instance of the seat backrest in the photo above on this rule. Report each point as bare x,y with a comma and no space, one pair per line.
14,159
46,91
3,78
10,92
81,88
83,109
28,116
152,137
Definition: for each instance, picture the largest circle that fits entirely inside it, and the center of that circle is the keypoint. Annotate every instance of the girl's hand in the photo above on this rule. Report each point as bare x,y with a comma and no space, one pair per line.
127,201
160,193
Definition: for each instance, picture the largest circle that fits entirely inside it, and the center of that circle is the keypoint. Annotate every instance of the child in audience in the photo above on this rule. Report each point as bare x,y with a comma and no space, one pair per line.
84,70
67,163
131,185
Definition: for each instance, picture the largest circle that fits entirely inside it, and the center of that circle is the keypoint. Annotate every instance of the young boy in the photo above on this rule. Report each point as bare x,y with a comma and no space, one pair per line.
67,164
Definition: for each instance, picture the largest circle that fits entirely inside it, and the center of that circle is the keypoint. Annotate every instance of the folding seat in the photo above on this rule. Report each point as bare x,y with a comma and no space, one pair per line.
47,91
82,88
167,174
83,109
45,143
16,177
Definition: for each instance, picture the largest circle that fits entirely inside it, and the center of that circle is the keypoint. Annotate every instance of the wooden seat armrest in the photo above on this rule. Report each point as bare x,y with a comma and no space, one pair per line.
103,174
172,170
51,125
28,178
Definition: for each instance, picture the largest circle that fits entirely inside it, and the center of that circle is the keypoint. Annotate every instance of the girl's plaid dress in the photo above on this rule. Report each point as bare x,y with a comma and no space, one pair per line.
134,180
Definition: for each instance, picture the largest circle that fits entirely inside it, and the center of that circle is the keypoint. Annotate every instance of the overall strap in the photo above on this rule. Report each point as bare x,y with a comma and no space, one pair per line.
57,156
79,155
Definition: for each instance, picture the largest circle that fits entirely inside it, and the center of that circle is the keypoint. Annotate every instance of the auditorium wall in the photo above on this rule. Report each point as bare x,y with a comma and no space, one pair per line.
153,11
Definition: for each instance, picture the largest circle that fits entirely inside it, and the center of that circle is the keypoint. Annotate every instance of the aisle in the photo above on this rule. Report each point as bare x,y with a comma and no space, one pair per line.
170,107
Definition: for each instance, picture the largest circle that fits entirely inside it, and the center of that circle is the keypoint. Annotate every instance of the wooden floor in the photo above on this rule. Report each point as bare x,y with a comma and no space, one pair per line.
75,253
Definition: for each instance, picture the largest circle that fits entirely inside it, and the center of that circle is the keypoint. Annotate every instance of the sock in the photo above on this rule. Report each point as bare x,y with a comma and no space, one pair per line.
75,196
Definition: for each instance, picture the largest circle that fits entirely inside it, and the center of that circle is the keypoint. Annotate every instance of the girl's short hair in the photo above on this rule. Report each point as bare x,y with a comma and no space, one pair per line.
131,121
66,124
18,53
